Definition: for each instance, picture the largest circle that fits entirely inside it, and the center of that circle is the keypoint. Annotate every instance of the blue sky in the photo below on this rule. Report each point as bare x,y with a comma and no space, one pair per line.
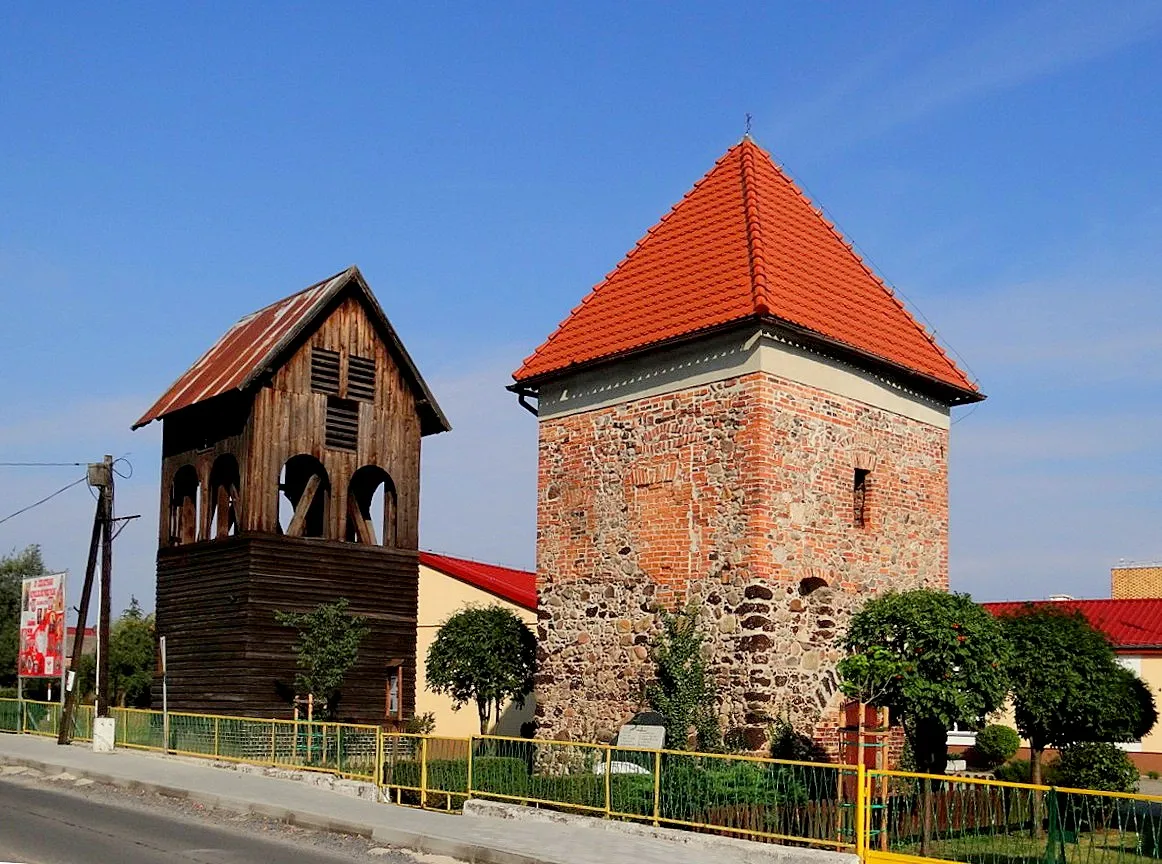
164,171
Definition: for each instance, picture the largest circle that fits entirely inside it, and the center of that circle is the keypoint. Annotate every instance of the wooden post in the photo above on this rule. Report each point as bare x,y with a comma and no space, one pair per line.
65,733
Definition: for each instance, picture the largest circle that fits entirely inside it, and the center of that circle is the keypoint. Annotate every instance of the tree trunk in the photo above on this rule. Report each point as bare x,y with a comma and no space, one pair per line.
926,817
483,709
1036,753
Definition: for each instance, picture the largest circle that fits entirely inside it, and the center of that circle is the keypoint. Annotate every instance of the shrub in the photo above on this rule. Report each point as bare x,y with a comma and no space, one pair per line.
786,743
1016,771
1153,775
1101,766
995,745
421,724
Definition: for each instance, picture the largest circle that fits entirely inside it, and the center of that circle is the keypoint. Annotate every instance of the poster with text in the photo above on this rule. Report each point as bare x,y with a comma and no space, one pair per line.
42,626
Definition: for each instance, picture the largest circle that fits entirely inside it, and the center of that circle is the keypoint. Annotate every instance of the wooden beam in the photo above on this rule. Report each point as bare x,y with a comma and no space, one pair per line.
222,513
299,520
364,530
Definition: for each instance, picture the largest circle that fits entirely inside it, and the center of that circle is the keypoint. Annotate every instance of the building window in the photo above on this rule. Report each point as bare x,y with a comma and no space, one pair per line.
342,431
361,378
325,371
394,690
859,498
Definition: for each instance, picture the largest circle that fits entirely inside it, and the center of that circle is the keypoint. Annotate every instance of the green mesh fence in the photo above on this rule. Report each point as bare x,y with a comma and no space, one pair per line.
957,819
9,715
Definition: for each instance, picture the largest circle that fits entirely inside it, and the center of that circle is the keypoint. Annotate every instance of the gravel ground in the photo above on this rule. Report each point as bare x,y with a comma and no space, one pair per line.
346,846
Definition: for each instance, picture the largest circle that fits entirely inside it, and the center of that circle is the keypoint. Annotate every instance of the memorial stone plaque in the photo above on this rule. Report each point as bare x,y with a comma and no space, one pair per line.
645,737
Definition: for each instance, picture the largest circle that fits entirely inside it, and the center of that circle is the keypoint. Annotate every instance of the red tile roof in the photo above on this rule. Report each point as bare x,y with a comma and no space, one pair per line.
255,343
1126,623
745,242
516,586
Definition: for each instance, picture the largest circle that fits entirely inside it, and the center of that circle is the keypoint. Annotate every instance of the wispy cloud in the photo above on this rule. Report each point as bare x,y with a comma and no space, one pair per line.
892,88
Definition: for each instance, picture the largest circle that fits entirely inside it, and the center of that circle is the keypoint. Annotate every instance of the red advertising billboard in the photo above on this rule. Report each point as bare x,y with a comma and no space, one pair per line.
42,626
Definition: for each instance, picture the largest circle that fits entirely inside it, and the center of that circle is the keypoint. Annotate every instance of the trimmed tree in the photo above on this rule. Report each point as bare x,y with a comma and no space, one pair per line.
326,648
485,655
933,659
682,690
1068,686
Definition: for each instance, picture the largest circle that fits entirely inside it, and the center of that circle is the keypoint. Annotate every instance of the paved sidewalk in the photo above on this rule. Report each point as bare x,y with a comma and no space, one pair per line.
468,838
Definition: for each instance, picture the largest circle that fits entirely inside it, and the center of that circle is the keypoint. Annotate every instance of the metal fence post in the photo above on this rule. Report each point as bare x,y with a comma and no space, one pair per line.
657,785
424,771
608,780
861,820
379,761
471,747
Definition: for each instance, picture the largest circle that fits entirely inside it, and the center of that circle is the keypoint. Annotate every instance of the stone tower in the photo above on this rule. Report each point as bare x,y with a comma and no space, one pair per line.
743,416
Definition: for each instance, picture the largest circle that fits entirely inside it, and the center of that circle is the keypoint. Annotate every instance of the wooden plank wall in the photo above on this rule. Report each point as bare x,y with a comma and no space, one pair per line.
289,419
202,599
216,604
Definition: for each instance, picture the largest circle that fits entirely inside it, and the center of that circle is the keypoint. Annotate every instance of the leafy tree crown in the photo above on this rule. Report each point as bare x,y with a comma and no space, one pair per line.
327,646
485,655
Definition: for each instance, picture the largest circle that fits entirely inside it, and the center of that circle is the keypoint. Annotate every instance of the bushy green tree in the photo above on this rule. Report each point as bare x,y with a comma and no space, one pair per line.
995,745
1096,765
14,568
328,643
682,690
931,658
1067,685
485,655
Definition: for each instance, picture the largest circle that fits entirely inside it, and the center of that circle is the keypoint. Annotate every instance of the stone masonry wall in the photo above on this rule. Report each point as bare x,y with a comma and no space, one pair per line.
736,495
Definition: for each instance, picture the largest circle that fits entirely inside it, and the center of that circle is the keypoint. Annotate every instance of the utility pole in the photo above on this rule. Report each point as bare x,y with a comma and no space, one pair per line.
106,591
72,685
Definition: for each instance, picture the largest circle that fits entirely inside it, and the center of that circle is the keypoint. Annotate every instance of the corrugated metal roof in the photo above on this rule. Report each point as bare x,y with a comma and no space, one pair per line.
256,342
517,586
1126,623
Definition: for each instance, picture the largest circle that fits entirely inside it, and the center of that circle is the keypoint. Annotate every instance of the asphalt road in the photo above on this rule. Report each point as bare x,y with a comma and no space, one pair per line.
42,825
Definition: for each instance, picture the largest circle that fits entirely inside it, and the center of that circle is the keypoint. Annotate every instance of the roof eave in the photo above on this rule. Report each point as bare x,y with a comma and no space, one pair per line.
944,391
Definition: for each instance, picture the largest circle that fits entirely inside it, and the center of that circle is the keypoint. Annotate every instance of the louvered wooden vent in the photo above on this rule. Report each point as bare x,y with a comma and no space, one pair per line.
324,371
342,423
360,378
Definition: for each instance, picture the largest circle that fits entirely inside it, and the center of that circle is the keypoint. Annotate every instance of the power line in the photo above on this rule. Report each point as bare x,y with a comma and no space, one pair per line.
76,482
41,464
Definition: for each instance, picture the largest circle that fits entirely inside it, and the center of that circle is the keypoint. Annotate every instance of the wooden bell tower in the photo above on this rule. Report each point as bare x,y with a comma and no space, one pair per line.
290,477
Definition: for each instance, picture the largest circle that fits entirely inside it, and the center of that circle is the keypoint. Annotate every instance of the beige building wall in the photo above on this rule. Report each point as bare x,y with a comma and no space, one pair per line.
1136,582
1149,669
440,597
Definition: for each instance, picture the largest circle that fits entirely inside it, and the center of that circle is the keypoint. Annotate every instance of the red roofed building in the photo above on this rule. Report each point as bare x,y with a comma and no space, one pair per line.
447,586
1134,628
744,416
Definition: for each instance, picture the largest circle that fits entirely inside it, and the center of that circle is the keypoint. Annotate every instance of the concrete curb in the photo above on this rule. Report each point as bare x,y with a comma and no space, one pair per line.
416,842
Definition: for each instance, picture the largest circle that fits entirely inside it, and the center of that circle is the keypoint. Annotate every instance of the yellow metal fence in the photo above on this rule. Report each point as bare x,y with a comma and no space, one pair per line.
886,817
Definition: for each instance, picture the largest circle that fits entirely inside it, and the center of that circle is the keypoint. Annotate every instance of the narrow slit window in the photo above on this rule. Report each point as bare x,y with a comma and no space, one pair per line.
342,432
325,371
859,498
394,691
361,378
